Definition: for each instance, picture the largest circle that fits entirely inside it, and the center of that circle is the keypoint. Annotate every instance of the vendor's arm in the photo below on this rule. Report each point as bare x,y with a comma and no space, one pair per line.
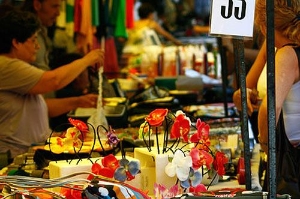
165,34
58,106
62,76
286,74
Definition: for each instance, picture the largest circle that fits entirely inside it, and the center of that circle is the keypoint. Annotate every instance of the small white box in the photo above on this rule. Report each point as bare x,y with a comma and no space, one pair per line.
63,168
153,169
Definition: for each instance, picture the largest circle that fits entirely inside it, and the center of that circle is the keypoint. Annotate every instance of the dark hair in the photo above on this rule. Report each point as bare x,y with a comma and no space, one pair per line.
4,8
145,10
16,24
28,6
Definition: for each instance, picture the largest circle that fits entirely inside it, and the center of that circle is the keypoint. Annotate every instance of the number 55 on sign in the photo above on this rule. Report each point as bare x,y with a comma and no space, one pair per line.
232,17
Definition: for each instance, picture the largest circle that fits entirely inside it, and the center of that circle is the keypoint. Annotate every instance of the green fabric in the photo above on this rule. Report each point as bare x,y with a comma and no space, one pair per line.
120,30
95,13
70,11
114,12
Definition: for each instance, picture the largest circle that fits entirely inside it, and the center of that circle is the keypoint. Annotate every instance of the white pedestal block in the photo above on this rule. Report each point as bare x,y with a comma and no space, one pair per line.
153,169
63,168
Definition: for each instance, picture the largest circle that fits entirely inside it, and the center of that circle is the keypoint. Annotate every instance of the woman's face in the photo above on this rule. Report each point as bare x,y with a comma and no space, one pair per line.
27,50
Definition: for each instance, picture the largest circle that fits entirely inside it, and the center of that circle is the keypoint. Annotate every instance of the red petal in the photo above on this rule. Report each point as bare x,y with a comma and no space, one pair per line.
96,168
156,117
110,161
107,172
90,177
79,124
175,133
195,138
199,188
65,191
206,158
180,118
185,124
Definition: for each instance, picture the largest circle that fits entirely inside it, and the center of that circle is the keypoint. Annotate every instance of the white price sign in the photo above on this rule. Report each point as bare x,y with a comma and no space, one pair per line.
232,17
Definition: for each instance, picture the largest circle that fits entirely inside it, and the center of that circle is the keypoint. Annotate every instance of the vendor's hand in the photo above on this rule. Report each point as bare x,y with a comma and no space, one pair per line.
88,101
251,103
94,58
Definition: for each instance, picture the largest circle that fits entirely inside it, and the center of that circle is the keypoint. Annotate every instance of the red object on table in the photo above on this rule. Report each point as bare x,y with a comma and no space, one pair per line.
241,171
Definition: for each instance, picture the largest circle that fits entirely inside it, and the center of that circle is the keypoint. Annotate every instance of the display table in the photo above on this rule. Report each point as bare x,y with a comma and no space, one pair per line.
221,185
153,166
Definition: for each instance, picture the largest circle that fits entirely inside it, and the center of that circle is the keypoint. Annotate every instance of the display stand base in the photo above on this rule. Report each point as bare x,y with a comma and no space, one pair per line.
153,169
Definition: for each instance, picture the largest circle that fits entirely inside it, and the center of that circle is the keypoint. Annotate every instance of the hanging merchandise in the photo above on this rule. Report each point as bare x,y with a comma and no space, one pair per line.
111,58
83,26
129,13
120,26
95,12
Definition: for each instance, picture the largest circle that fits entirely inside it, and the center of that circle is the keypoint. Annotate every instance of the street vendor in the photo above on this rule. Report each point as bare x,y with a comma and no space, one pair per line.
24,113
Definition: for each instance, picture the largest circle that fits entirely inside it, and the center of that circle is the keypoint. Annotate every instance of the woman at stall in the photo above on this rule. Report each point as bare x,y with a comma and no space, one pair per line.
24,113
287,91
146,30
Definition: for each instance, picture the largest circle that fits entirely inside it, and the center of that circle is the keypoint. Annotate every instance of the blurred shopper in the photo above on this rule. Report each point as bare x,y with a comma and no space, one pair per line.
146,30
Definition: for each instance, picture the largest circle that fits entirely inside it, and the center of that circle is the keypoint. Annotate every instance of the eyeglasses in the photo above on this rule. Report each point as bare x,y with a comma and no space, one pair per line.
33,40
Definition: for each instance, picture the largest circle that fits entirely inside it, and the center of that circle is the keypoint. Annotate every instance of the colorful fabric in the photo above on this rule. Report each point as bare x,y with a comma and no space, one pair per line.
77,15
109,190
95,13
129,13
120,29
70,17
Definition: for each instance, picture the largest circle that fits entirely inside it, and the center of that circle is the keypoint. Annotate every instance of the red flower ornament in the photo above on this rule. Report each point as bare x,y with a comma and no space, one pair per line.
201,158
80,125
110,161
202,132
219,162
109,165
181,127
156,117
198,189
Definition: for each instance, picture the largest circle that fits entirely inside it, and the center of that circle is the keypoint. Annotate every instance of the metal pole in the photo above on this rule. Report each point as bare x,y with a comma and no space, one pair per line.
238,45
224,74
271,99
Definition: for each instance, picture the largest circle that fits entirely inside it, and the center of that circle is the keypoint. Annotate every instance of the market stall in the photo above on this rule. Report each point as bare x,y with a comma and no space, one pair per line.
155,145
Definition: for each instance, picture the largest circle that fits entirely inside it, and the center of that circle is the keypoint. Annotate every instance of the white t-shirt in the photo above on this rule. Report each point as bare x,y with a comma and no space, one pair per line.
24,117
